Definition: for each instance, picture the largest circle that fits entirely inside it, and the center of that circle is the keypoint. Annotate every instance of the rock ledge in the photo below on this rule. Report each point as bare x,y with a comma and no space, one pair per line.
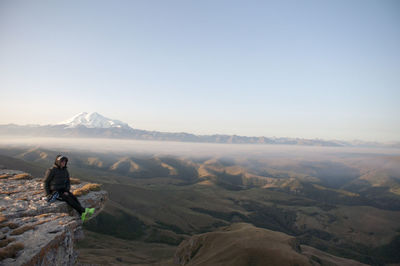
33,231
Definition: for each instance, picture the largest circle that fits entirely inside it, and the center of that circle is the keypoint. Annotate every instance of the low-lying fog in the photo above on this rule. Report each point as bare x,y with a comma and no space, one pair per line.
188,149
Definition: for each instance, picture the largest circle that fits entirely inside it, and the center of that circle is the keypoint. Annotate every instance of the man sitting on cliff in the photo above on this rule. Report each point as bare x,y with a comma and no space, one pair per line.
57,185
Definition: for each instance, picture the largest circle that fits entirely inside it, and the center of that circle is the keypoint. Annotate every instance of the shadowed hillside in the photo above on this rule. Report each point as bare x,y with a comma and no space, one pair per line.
13,163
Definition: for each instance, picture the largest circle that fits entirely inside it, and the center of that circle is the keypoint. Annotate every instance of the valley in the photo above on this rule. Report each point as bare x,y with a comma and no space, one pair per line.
341,201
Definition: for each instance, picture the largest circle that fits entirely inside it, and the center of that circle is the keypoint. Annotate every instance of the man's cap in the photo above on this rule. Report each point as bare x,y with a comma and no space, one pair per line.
61,158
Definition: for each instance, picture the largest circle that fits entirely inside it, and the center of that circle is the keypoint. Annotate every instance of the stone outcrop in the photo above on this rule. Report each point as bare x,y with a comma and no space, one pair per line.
35,232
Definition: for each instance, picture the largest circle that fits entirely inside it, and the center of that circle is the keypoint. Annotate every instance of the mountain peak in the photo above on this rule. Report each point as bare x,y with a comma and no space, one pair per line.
92,120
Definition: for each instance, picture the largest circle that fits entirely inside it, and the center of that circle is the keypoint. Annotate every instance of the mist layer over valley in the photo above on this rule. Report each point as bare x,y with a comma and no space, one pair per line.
122,146
344,201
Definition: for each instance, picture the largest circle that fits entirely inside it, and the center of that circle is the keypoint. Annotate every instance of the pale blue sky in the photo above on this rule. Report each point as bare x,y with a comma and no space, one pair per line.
312,69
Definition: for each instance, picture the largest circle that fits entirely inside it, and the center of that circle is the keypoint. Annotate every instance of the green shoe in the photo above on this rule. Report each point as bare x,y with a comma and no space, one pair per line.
90,211
83,216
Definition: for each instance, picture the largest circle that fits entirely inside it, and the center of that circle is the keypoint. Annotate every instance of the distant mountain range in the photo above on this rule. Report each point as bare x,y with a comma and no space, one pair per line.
94,125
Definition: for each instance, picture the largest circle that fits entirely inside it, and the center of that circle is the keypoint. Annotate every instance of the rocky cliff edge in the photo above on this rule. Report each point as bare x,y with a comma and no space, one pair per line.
35,232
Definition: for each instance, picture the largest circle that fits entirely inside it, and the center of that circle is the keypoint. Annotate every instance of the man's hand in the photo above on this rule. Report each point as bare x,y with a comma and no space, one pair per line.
52,197
66,193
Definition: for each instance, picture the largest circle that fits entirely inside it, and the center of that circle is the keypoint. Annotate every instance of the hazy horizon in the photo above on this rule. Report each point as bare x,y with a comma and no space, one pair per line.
328,70
120,146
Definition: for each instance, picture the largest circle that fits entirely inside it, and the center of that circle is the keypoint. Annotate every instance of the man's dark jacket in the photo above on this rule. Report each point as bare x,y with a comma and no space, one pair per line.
56,179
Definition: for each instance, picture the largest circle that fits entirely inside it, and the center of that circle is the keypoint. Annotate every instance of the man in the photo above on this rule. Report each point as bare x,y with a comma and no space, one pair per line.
57,185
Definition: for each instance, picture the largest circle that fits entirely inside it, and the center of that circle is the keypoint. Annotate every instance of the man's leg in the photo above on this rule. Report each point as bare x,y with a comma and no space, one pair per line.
75,199
72,201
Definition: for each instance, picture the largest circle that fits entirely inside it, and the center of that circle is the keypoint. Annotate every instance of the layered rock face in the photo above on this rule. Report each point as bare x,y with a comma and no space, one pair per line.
35,232
245,244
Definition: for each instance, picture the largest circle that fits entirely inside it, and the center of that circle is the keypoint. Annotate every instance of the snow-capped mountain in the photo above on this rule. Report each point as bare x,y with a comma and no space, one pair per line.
93,120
